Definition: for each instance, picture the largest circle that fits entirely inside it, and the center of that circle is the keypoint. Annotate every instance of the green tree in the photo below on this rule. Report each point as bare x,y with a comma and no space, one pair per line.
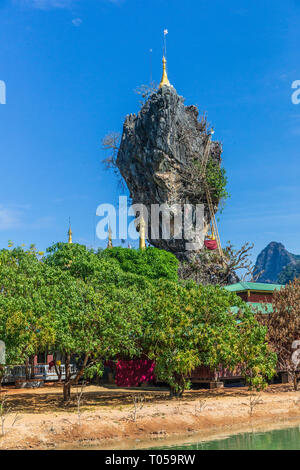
151,263
44,306
118,303
92,326
93,268
195,325
283,326
257,361
24,325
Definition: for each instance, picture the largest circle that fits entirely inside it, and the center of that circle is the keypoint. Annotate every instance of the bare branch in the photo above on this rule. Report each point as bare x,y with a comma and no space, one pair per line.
111,144
145,91
207,266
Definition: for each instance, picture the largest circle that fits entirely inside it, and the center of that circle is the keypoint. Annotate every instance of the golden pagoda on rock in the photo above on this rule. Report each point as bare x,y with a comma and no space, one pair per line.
164,79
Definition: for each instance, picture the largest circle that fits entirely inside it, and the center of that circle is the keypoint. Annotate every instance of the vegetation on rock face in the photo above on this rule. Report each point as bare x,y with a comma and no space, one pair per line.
289,273
207,266
217,181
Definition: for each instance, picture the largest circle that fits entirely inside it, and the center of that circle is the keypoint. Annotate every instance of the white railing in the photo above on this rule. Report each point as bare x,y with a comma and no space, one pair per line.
42,372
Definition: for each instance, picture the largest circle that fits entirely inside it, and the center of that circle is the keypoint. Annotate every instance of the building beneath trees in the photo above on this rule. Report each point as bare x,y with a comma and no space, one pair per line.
258,294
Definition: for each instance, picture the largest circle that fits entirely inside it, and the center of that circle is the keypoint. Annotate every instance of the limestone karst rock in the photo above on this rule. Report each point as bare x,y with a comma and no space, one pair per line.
159,158
273,261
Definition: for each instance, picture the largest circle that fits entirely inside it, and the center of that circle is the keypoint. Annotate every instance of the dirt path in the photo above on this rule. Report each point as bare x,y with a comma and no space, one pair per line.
108,418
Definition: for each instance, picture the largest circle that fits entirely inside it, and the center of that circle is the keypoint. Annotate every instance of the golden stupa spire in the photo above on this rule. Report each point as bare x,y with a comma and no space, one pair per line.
164,78
142,234
70,233
109,243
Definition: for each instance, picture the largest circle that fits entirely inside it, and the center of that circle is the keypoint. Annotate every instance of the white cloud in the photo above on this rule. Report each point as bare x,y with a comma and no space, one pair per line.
77,22
9,218
16,216
46,4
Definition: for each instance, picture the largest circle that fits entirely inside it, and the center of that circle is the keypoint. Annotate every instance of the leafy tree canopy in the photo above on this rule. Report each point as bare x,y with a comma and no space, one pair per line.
45,307
97,306
151,263
199,326
283,326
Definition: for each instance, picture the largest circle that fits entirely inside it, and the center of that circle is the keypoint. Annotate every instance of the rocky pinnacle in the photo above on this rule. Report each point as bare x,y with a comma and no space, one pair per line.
158,149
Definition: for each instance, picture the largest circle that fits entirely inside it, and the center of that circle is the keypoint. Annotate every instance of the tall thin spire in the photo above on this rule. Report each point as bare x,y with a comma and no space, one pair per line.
109,243
142,234
70,233
164,78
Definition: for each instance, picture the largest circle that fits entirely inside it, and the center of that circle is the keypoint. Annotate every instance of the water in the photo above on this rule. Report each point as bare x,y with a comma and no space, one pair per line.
282,439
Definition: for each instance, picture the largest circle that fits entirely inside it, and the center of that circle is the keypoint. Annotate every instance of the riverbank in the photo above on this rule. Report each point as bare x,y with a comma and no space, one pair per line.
113,418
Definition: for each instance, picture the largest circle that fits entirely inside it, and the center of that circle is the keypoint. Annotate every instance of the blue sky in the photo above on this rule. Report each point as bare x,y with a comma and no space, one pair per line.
71,68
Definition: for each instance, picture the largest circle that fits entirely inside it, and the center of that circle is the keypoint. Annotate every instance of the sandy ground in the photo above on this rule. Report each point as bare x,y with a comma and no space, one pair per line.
108,419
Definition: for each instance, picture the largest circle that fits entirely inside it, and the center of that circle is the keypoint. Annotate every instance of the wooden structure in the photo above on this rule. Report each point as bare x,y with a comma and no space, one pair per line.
258,294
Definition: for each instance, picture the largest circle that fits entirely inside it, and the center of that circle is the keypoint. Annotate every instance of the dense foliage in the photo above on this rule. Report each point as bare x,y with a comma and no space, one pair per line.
151,262
113,265
207,326
284,328
64,308
117,303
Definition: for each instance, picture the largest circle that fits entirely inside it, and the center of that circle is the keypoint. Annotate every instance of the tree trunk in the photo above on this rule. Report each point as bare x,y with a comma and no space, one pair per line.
179,389
27,371
67,384
176,392
2,370
81,371
295,382
67,391
32,367
68,381
58,370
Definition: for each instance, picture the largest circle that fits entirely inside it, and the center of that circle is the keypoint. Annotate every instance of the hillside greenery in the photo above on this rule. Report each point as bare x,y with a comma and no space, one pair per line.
289,273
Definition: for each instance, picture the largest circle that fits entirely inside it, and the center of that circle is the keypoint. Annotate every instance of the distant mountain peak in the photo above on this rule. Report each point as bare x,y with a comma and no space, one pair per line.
273,260
275,244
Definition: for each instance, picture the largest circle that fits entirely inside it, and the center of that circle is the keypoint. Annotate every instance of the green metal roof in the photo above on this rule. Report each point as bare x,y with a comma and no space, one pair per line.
253,286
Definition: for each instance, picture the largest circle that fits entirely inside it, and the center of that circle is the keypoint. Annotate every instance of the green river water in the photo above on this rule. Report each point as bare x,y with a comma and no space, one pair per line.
283,439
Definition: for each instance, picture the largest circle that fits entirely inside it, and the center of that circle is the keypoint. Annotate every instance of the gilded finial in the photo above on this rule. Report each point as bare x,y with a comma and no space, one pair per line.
70,233
109,243
142,234
164,78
